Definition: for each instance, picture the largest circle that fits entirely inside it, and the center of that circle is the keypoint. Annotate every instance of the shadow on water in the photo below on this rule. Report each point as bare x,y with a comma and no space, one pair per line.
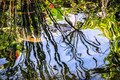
46,54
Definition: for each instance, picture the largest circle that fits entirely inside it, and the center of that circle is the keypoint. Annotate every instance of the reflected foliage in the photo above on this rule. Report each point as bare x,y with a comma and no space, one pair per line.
35,46
111,29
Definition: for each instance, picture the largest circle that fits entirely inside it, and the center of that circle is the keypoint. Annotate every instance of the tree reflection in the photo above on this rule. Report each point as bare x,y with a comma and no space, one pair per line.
39,58
50,56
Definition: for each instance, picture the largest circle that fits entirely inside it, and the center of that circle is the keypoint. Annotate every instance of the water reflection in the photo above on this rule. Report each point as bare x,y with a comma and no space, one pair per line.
35,50
60,56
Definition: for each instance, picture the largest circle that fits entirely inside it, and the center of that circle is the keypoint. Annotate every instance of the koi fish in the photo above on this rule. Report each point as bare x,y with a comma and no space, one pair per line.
31,39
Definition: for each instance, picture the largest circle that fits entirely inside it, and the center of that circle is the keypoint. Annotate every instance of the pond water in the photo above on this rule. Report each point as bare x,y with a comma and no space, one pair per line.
59,58
42,41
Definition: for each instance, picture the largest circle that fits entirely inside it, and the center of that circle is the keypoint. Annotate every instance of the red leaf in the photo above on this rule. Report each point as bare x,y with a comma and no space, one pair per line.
16,55
51,6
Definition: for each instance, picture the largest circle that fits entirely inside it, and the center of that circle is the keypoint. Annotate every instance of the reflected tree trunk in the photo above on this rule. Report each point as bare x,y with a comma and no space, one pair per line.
25,17
103,8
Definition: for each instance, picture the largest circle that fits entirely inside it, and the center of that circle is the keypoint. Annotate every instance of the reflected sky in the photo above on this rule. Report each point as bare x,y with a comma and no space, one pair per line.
76,58
43,40
63,51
